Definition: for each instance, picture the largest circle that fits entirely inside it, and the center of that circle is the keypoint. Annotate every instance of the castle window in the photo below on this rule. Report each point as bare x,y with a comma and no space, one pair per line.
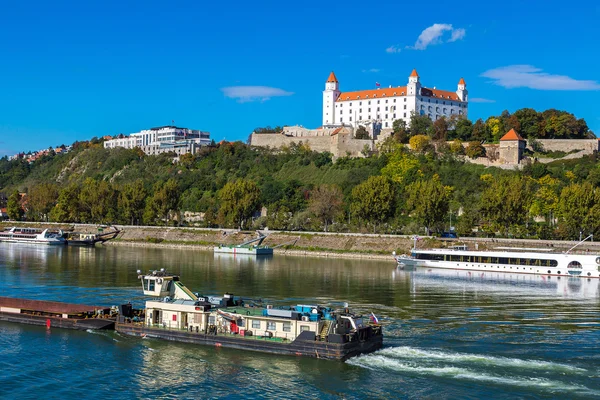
386,108
459,112
405,106
377,108
386,124
350,104
350,119
360,117
451,111
403,95
394,95
360,102
367,96
404,115
445,110
386,117
340,119
369,100
341,104
375,95
404,98
385,101
430,109
437,109
369,109
394,116
369,117
377,101
360,110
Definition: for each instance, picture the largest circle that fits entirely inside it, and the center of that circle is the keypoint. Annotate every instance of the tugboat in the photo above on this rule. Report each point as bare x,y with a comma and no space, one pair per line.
177,314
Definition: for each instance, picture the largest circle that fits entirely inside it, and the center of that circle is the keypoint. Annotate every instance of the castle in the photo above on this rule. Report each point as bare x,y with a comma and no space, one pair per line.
378,108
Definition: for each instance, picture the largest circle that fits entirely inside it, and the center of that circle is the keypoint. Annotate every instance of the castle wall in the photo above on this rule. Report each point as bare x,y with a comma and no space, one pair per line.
567,145
277,140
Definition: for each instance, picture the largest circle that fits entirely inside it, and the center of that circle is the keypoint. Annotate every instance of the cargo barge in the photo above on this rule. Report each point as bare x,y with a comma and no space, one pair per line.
179,315
55,314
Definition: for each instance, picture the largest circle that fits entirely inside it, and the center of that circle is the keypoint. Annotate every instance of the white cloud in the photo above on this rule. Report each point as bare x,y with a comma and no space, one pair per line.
457,34
434,35
245,94
480,100
393,49
372,70
515,76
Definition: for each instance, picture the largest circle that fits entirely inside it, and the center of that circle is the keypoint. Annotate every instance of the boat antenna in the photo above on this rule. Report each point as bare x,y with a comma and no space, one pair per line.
415,238
581,241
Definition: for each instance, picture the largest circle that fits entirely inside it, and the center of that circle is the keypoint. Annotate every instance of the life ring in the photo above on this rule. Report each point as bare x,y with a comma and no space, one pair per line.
159,281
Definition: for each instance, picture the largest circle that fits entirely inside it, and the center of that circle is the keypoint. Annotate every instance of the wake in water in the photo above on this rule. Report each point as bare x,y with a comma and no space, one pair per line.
502,371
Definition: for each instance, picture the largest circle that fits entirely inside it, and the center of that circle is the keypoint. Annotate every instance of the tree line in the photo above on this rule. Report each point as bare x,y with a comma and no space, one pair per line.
399,190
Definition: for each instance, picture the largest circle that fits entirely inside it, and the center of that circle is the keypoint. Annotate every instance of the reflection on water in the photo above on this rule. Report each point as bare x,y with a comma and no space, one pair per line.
499,283
459,333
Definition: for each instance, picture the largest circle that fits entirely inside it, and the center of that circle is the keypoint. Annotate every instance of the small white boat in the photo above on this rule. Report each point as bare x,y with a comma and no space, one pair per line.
32,235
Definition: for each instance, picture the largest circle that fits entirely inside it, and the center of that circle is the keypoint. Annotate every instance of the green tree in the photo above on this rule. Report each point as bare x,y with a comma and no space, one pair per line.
419,124
506,202
419,143
132,199
325,203
457,147
400,131
67,207
97,201
13,206
166,200
480,131
239,199
428,201
373,200
579,209
439,129
41,199
402,167
474,150
361,133
464,129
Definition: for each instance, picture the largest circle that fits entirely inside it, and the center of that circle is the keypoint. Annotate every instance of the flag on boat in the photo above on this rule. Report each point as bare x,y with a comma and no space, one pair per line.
377,84
374,319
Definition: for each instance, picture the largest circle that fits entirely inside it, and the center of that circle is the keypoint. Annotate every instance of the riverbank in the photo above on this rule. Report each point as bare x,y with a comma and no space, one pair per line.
313,244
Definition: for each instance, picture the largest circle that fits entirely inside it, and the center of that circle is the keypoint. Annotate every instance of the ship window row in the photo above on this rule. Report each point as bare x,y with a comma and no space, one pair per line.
286,326
488,260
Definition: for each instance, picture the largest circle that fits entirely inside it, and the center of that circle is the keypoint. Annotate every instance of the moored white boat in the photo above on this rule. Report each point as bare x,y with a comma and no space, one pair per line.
531,261
31,235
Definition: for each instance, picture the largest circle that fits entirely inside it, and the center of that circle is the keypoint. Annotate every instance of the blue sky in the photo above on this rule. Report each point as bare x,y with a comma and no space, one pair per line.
74,70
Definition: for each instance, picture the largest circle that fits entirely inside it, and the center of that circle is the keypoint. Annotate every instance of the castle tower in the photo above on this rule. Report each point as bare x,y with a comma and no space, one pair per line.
512,146
462,92
330,95
414,85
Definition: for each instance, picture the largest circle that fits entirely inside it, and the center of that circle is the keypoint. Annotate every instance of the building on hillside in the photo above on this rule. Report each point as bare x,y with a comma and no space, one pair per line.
163,139
511,149
378,108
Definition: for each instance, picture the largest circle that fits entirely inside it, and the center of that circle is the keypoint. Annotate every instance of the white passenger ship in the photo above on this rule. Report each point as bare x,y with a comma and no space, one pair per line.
31,235
529,261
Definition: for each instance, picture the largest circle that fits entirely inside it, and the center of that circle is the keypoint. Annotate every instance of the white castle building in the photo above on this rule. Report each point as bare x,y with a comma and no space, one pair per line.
382,106
163,139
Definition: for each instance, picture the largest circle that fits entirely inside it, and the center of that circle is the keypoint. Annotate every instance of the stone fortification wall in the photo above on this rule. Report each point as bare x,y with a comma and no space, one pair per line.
588,146
277,140
346,144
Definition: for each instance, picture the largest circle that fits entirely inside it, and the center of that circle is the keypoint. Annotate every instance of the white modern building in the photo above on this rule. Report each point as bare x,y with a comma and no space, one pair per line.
382,106
163,139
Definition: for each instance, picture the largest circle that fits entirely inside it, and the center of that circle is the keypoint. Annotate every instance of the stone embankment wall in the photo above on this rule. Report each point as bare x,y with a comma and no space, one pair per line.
344,245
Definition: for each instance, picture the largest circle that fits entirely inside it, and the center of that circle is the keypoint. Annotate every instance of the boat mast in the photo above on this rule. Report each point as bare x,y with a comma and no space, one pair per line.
581,241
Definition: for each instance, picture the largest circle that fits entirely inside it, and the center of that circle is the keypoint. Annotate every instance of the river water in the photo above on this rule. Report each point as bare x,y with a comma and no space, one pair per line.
448,335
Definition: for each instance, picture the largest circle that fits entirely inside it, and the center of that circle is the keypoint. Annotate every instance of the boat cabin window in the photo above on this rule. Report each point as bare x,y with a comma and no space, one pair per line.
255,324
270,326
212,320
150,285
486,260
287,327
304,328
